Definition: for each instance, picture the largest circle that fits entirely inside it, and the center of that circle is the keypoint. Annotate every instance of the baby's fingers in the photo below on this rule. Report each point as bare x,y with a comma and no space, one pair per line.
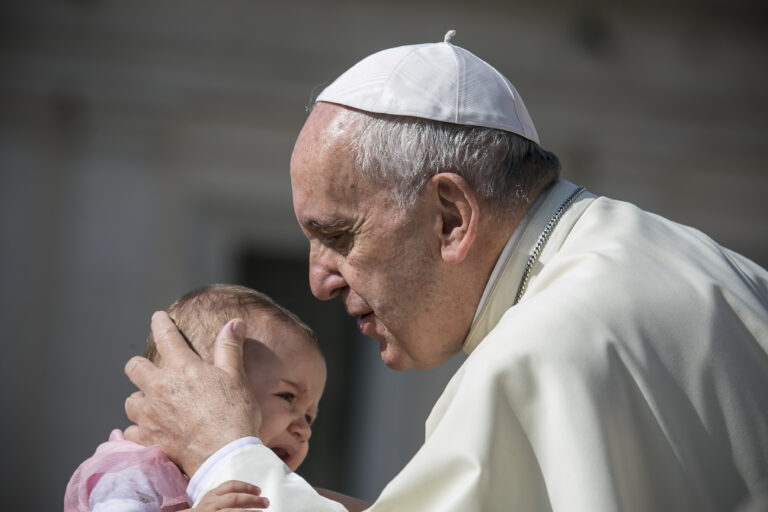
237,501
233,496
236,486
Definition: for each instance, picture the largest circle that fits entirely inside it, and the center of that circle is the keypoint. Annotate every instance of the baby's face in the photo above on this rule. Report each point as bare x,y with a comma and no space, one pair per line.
287,375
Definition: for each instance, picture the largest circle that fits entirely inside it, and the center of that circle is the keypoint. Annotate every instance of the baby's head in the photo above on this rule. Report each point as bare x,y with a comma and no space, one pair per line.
282,359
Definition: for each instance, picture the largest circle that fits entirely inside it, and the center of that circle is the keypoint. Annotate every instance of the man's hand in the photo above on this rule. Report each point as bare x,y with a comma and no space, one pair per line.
189,407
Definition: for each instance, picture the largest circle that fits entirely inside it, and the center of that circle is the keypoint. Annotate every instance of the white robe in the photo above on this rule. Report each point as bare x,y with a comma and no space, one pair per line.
631,375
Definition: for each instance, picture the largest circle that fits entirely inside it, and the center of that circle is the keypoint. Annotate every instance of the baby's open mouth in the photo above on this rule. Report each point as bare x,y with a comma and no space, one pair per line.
282,453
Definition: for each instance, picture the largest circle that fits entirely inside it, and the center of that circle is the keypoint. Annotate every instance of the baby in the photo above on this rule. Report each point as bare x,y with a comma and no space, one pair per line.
286,371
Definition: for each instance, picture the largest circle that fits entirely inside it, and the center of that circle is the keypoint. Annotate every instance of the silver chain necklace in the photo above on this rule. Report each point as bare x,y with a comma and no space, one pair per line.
543,241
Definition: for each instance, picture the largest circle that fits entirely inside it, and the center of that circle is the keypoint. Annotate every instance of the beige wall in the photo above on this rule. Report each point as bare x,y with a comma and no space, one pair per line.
143,143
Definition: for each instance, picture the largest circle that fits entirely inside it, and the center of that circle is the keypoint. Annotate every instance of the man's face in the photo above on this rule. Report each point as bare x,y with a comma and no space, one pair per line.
382,261
286,373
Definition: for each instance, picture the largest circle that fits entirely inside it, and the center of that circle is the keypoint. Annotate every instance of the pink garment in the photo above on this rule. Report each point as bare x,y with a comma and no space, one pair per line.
126,476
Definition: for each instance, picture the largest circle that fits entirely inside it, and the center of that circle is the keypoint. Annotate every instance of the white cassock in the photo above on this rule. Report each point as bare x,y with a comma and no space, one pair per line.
631,374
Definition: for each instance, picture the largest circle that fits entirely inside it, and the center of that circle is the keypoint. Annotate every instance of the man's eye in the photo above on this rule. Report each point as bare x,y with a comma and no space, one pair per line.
336,241
288,397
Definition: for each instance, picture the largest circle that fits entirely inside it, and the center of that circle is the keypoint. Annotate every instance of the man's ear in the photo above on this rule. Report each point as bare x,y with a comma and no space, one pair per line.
458,213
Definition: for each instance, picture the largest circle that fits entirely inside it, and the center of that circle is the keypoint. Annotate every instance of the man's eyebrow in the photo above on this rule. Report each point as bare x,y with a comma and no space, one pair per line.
327,225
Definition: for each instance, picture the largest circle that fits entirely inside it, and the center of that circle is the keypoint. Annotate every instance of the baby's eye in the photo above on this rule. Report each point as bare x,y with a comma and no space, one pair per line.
309,419
288,397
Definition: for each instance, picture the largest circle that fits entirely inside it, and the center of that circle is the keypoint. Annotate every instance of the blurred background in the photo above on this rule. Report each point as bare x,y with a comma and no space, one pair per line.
144,151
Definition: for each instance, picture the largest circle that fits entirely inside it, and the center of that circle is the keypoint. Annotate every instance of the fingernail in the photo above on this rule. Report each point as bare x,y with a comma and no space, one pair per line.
238,328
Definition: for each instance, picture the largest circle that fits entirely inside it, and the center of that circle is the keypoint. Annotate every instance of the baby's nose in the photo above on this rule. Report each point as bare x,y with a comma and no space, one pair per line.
300,428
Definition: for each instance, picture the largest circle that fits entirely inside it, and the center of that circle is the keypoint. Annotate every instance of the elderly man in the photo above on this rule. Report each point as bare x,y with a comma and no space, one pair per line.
617,360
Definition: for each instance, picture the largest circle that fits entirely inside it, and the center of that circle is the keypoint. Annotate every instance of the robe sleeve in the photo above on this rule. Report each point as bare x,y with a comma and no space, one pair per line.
248,460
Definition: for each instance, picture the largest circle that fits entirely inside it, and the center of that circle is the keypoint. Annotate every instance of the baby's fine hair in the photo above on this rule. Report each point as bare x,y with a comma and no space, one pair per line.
201,314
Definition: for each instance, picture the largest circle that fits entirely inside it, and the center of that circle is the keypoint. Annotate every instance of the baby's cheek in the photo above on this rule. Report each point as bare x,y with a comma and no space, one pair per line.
302,455
262,417
265,435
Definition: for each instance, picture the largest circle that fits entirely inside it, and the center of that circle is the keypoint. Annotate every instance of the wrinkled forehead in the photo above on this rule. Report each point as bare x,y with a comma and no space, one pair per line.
325,141
324,175
329,122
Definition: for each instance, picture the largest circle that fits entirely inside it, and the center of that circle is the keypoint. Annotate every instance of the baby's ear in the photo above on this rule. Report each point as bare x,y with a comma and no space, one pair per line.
458,213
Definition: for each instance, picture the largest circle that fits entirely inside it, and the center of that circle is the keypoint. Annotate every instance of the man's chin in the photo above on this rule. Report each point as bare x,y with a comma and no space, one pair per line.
399,361
390,350
394,360
395,364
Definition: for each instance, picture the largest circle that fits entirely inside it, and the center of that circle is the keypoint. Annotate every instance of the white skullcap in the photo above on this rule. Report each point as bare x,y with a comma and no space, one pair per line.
438,81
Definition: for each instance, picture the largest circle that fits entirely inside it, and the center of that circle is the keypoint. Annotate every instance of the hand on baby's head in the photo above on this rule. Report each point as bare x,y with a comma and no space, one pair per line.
182,402
273,396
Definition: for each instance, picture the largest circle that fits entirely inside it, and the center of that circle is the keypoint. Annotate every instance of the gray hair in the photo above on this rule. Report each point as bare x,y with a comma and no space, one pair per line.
405,152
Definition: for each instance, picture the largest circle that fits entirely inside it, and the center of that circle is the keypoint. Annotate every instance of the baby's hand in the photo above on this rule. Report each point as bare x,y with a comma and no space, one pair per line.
232,496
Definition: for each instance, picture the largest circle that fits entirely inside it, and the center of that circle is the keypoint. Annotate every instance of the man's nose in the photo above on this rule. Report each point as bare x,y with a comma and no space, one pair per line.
300,428
324,278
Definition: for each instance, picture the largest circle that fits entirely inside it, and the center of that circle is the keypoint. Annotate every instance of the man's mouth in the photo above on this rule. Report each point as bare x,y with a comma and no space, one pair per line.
365,321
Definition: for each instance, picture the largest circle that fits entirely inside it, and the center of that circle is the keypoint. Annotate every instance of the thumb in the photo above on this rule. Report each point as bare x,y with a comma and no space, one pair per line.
228,348
132,434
